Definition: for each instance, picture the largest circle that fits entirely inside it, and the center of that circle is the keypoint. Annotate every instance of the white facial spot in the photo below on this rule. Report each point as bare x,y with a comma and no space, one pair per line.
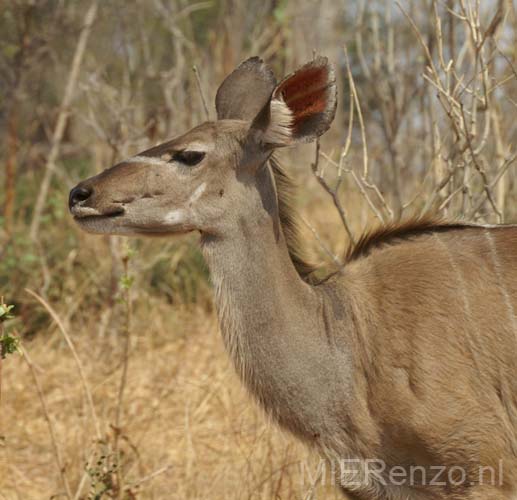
175,216
199,146
83,211
149,160
197,193
166,157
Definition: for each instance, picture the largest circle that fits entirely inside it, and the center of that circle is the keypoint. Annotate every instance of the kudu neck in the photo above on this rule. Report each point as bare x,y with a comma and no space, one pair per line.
258,290
274,325
252,252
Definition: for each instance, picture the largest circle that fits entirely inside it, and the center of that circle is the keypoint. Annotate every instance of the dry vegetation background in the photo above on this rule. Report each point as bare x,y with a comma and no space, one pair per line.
123,389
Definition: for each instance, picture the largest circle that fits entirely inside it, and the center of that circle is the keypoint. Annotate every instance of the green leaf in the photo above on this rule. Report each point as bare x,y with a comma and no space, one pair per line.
9,345
126,281
5,312
280,13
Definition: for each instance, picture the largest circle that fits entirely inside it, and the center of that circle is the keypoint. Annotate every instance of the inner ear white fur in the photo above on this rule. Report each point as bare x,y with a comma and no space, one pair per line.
279,129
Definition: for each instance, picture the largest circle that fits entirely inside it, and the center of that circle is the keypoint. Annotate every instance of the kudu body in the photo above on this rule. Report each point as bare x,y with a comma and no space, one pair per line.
408,355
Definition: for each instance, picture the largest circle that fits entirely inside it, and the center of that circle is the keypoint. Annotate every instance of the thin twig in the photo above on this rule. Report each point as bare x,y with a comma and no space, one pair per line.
149,477
333,193
321,243
353,90
84,477
123,377
77,360
62,120
479,169
201,93
57,452
477,204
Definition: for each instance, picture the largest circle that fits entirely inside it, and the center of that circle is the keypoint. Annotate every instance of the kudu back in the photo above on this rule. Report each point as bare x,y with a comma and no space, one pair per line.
400,368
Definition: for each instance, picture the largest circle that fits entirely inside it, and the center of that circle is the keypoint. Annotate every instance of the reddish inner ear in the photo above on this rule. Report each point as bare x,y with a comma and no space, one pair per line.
305,93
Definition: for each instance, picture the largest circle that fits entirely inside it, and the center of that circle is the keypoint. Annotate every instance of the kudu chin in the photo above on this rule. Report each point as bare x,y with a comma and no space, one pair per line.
400,368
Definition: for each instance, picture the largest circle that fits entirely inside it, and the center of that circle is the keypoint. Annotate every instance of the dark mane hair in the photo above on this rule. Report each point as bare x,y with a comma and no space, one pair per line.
374,238
398,230
286,188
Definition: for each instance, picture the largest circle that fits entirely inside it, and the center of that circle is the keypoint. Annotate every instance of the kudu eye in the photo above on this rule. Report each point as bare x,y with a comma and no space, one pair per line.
189,158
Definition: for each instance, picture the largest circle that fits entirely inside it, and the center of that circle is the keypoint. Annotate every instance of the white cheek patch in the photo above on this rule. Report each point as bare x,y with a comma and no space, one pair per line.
197,193
175,216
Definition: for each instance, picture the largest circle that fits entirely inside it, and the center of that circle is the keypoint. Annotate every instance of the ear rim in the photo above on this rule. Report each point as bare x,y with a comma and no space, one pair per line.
260,72
331,101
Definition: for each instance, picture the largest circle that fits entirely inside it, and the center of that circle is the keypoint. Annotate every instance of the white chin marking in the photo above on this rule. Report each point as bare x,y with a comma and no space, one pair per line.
175,216
80,211
197,193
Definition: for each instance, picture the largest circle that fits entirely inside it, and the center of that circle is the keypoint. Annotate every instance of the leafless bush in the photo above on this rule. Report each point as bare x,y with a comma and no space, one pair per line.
430,108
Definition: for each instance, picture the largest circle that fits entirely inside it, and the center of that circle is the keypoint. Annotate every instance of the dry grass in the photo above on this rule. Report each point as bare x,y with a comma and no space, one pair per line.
187,419
189,429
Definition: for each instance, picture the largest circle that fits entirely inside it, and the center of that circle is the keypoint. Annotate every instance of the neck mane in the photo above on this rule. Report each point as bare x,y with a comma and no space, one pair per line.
289,221
392,233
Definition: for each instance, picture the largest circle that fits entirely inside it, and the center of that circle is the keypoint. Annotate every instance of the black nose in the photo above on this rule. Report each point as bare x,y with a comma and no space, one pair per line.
78,194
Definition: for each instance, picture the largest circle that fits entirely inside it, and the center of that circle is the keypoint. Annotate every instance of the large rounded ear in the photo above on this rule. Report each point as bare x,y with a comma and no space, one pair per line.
301,108
245,92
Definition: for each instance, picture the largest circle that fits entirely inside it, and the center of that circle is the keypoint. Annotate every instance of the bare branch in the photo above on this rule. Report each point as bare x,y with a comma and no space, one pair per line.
201,94
64,111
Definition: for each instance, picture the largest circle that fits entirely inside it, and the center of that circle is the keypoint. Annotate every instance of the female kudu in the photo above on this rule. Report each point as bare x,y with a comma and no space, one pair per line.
400,368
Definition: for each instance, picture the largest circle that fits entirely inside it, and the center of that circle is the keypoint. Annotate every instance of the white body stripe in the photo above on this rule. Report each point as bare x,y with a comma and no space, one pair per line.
463,290
500,281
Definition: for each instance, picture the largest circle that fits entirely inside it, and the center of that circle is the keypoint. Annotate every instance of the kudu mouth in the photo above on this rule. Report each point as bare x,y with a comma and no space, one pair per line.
81,213
97,221
77,203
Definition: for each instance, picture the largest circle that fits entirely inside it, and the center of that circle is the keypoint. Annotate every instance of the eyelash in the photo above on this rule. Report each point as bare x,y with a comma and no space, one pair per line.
188,158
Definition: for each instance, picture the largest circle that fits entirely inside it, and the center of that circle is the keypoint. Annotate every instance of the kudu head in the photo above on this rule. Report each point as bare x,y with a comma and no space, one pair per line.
207,178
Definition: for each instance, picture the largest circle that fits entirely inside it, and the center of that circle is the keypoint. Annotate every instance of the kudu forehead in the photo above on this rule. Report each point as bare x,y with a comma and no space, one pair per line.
204,137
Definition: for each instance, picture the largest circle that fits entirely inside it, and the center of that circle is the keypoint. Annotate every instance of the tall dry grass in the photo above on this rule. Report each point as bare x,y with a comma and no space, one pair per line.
188,429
